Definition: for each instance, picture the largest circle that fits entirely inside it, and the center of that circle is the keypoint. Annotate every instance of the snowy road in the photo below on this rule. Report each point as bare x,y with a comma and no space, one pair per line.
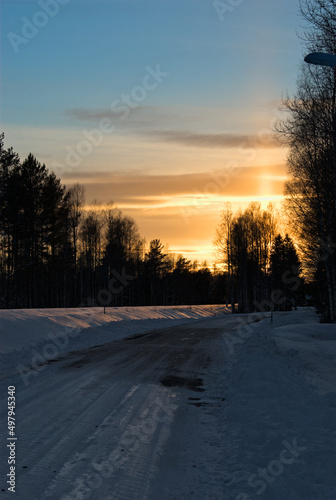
108,422
215,409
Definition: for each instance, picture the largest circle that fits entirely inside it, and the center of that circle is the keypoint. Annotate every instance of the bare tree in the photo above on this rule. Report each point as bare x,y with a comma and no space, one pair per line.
243,241
223,244
309,129
76,204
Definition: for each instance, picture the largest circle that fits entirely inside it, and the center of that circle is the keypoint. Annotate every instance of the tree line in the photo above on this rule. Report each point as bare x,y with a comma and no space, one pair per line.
54,252
262,266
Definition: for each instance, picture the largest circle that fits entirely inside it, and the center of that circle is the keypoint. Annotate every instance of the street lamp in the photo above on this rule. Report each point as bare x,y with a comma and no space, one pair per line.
321,59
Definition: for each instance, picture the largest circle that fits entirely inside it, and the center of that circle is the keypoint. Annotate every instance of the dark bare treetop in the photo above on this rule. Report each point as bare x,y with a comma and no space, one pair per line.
309,130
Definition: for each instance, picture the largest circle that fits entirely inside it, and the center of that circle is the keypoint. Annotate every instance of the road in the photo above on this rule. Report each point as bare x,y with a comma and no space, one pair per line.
141,418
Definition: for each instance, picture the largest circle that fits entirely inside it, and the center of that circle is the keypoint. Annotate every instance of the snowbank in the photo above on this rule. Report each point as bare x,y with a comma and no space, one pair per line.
23,328
281,399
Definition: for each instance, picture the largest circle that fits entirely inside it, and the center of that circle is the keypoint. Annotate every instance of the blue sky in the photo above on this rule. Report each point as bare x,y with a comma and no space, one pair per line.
226,78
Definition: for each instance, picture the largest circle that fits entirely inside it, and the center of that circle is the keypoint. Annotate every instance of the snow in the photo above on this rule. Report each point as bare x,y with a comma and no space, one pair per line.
262,427
280,389
273,436
42,335
22,328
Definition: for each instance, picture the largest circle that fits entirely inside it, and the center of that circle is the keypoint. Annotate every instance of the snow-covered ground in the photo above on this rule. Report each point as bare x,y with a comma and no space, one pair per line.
262,425
280,417
29,336
21,328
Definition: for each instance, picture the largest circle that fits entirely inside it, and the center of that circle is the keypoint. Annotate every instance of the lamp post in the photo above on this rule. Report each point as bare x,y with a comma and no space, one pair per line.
321,59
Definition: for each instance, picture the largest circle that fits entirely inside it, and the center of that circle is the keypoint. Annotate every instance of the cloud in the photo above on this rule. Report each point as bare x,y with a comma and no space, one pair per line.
141,116
153,190
182,209
159,123
215,140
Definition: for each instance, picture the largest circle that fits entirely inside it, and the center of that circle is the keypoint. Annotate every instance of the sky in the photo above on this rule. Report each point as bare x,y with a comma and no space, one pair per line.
165,107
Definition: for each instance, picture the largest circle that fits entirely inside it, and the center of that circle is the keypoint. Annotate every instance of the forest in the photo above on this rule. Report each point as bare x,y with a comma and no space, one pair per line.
54,252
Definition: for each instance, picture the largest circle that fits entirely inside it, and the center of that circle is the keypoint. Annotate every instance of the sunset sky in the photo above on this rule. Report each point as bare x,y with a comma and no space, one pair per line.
165,107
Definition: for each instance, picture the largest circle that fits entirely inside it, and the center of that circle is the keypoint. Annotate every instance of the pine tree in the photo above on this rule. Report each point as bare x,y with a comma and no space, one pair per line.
285,270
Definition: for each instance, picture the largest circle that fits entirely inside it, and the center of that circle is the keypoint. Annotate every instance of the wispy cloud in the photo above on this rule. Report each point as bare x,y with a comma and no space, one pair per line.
162,124
215,140
140,116
146,190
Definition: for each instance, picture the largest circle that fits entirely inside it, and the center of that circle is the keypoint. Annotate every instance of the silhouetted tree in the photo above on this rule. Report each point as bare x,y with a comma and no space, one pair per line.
121,254
33,211
9,164
309,130
243,241
285,271
156,265
55,252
